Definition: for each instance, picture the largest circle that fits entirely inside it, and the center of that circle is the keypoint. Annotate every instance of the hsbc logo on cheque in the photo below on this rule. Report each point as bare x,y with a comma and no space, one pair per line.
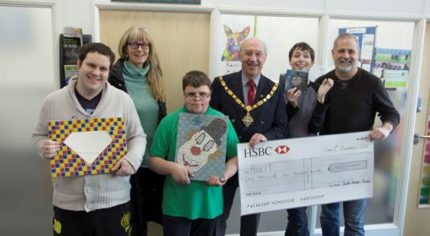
265,151
282,149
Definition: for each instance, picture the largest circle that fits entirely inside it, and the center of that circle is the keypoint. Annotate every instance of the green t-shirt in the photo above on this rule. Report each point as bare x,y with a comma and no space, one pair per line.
198,199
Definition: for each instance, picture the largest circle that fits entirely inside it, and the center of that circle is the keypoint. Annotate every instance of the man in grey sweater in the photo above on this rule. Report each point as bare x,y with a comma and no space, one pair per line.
92,204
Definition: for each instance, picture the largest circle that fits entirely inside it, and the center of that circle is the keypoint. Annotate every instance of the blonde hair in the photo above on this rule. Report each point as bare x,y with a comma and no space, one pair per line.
155,74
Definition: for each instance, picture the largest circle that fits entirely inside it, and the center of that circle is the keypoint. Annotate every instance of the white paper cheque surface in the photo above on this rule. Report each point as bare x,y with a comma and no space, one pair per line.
297,172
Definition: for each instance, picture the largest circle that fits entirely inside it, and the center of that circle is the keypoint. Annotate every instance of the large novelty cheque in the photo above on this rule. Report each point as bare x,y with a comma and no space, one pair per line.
298,172
87,146
201,144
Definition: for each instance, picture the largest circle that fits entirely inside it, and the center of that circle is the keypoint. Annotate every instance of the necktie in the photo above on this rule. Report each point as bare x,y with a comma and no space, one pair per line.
251,92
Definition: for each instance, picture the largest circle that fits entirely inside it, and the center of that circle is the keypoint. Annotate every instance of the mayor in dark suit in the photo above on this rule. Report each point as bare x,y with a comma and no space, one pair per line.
256,108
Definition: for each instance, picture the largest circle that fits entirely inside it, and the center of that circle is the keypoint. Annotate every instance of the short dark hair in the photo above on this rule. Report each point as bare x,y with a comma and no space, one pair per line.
302,46
196,79
96,47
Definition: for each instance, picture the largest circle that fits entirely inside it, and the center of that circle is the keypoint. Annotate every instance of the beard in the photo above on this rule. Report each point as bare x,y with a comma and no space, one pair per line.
345,65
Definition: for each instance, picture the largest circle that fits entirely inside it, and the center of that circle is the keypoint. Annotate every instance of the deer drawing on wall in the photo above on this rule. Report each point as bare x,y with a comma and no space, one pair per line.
234,39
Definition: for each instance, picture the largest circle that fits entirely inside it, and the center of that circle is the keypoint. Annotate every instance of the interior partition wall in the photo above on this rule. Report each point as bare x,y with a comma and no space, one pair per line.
28,71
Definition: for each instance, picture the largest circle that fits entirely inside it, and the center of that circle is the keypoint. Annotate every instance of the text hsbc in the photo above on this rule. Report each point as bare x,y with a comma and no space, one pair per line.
255,152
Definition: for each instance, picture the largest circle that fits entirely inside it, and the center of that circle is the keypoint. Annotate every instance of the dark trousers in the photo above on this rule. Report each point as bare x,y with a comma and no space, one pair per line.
180,226
297,222
114,221
248,223
146,200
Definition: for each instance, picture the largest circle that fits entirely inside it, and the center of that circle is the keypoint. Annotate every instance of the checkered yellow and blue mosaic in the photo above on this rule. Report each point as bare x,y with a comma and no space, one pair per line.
68,163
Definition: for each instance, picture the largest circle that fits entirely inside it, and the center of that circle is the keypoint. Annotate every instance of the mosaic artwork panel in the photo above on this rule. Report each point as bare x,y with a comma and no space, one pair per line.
201,140
68,163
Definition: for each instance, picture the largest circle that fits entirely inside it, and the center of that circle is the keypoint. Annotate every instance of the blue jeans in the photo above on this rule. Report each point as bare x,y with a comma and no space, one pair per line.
297,222
353,212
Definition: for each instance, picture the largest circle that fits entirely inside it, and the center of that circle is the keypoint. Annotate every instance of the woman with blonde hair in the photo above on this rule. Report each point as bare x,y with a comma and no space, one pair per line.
138,73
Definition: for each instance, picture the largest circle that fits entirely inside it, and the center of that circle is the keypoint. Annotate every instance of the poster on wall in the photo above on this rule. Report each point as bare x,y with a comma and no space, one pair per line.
235,30
366,42
392,65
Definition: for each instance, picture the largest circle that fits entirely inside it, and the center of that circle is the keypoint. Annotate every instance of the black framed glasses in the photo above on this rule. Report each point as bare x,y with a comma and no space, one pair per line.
136,45
201,95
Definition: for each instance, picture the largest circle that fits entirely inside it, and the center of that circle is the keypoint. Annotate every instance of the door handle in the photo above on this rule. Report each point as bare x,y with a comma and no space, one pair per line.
418,136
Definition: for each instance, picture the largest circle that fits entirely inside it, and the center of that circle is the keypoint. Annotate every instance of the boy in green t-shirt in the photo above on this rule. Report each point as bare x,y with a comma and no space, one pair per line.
190,207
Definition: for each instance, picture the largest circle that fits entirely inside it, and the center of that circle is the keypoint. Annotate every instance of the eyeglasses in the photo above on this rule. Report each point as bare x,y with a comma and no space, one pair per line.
136,45
201,95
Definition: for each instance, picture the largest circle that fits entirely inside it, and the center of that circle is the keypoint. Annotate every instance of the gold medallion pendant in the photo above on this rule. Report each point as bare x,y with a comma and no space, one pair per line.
248,119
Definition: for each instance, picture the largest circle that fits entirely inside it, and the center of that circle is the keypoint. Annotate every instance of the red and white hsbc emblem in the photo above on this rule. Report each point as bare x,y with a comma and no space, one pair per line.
282,149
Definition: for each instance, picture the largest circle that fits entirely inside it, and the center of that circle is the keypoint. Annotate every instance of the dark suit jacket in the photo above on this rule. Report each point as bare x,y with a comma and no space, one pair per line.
270,119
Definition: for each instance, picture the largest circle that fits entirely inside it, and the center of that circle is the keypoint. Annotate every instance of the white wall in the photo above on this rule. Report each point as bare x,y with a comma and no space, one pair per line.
396,8
83,13
391,8
79,13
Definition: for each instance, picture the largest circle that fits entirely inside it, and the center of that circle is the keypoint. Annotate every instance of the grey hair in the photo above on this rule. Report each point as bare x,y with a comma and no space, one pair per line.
346,36
254,38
